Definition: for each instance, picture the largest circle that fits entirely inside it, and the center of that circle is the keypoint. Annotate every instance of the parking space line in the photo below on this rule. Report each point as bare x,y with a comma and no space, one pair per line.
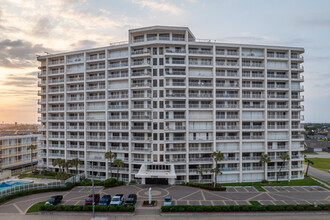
77,203
212,202
284,202
203,195
18,208
189,195
294,189
200,203
235,202
222,197
270,196
255,196
304,188
245,189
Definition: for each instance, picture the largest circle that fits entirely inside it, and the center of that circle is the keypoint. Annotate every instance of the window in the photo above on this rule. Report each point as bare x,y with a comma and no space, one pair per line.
154,83
161,72
155,147
161,83
161,93
154,72
155,126
161,125
155,115
155,94
154,51
161,115
161,104
161,136
154,61
155,137
155,104
161,61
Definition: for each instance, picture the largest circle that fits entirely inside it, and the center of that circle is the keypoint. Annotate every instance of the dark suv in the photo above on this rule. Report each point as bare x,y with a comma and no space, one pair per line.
131,200
54,200
105,200
89,200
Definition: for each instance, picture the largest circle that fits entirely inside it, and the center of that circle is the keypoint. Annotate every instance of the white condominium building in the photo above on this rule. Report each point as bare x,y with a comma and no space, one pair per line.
164,101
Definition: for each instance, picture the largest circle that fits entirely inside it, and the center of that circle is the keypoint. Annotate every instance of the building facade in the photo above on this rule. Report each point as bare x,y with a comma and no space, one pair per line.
164,101
14,153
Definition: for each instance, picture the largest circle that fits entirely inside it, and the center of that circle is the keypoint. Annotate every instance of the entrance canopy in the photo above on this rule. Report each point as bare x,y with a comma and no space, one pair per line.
156,171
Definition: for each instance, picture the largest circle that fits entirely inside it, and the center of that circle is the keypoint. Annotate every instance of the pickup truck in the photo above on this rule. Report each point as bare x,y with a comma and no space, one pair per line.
54,200
118,199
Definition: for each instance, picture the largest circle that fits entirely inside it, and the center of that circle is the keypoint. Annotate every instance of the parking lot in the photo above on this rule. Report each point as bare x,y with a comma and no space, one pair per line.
183,195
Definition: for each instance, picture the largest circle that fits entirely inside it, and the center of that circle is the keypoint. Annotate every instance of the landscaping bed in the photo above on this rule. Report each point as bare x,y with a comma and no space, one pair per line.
146,203
244,208
41,207
205,186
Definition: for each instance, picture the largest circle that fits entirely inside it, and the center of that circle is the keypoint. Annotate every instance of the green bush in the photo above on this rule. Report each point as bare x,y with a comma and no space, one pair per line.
132,182
77,208
205,186
87,208
112,208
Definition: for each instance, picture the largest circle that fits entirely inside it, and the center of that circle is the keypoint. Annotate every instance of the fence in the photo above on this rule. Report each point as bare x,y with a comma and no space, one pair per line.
31,186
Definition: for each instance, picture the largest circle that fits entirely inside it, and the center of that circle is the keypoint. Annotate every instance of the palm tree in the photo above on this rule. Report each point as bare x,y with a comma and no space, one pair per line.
31,148
61,164
57,162
118,163
308,161
216,172
264,160
66,165
284,157
110,156
75,163
217,157
200,171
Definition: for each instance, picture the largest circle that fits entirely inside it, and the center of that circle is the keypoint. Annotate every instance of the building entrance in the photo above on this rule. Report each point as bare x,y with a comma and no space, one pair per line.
158,181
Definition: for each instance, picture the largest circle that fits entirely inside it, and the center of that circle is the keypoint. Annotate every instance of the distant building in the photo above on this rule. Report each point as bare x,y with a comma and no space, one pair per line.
317,146
14,154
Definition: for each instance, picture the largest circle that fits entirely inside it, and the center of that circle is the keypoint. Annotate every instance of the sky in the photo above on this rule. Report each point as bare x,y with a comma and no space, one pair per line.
31,27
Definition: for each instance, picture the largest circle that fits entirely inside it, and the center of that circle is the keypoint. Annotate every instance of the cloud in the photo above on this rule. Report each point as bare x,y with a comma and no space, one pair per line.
84,44
42,27
158,6
19,53
21,80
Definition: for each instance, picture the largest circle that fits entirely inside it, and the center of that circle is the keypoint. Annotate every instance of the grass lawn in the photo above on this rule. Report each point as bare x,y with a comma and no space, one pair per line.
35,207
258,185
321,163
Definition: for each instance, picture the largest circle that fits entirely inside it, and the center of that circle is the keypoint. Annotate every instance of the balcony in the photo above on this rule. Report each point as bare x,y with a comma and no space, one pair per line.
139,85
141,117
253,106
98,87
95,67
227,137
227,85
175,73
253,137
174,139
227,106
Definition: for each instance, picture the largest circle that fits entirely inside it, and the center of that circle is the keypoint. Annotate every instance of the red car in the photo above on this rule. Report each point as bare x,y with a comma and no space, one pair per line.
89,200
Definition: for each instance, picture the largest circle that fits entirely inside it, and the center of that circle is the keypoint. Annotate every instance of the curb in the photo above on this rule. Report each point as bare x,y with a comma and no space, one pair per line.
80,214
244,214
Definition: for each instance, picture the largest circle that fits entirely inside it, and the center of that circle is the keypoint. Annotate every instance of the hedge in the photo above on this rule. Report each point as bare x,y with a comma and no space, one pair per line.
87,182
205,186
245,208
85,208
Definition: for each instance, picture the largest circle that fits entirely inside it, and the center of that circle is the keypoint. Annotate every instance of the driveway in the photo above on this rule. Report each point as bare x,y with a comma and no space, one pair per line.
318,173
182,195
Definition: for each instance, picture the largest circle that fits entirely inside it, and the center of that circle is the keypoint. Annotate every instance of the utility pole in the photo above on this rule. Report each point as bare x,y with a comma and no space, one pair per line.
93,189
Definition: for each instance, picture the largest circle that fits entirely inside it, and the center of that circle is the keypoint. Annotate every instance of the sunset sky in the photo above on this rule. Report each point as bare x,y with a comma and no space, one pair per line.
31,27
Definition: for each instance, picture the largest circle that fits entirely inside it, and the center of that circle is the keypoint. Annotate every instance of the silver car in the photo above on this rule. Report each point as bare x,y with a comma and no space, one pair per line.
168,200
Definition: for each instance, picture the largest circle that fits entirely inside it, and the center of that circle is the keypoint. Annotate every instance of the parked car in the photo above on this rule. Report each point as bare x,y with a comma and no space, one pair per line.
54,200
168,200
131,200
89,200
105,200
117,199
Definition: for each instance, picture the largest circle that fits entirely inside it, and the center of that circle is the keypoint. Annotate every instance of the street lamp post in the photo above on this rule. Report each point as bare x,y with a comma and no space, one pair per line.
93,190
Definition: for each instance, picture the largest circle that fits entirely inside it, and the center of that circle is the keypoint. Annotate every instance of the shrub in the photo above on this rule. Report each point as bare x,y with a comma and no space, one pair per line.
77,208
132,182
87,208
112,208
205,186
190,209
101,208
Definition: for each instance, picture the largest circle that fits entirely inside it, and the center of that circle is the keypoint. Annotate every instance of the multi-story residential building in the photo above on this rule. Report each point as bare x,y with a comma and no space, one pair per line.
14,152
164,101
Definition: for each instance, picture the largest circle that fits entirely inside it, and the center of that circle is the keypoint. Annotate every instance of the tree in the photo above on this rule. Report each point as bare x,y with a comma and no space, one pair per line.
31,148
57,162
284,157
264,160
110,156
216,171
308,161
200,171
66,165
217,157
118,163
75,163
